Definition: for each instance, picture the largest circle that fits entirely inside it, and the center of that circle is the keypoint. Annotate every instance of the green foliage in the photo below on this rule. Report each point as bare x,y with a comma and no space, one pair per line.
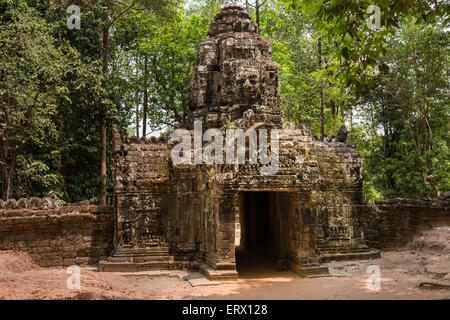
56,94
158,59
358,48
36,178
294,43
406,116
32,69
171,47
390,85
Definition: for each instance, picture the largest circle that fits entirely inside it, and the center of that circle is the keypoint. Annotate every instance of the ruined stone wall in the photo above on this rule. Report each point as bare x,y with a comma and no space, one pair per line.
192,209
393,223
329,180
158,205
143,192
72,235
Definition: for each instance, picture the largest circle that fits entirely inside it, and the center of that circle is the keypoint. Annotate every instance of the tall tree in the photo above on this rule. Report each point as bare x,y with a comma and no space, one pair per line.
319,62
113,11
361,44
406,114
32,70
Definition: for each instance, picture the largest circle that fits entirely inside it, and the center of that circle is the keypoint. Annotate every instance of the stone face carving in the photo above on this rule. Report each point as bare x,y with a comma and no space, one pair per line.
247,85
185,215
234,71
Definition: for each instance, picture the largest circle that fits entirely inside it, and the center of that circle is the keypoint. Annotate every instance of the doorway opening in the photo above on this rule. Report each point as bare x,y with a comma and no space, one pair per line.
262,232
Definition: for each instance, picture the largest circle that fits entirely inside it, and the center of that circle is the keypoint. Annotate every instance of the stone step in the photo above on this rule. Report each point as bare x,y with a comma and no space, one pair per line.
139,255
143,254
143,251
107,266
140,259
314,270
218,275
330,250
364,255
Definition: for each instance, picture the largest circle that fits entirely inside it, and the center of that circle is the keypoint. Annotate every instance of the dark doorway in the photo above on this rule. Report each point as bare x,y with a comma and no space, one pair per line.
262,245
255,221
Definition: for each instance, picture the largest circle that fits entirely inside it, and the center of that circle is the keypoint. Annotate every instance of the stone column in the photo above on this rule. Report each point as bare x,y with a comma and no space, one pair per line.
225,238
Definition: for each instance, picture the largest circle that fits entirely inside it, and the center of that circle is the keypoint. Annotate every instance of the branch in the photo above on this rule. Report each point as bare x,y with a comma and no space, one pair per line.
259,5
271,22
122,13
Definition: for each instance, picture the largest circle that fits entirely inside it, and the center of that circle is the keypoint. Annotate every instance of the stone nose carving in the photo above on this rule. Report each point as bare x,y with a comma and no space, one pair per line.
247,85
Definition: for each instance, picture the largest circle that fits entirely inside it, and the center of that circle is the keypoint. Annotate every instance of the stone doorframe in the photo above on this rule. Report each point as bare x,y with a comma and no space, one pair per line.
300,225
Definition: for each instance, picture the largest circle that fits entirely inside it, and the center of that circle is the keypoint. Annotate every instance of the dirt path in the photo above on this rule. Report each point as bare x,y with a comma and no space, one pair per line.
426,260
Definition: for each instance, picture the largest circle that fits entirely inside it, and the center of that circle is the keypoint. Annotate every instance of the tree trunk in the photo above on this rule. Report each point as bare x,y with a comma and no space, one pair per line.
103,168
137,119
257,12
137,97
6,177
247,6
351,118
105,109
60,160
145,106
319,60
8,192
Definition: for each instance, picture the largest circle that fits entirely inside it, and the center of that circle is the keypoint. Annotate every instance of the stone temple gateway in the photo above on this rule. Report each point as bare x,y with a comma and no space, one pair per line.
171,216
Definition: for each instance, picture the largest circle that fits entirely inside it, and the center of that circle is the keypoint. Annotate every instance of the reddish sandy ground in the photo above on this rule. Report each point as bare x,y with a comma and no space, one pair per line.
426,260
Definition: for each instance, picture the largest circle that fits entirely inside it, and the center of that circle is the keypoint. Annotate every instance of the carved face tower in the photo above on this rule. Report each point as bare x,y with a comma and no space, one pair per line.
234,72
184,216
